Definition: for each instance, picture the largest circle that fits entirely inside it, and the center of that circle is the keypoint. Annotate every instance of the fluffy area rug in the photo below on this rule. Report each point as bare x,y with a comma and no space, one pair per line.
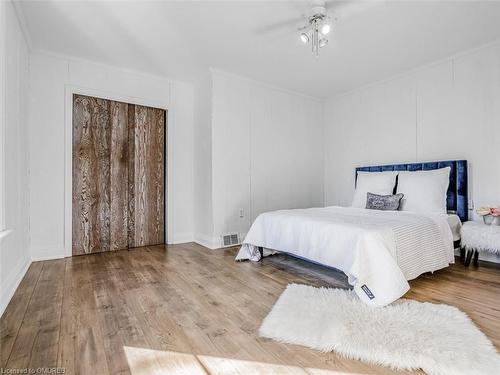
406,335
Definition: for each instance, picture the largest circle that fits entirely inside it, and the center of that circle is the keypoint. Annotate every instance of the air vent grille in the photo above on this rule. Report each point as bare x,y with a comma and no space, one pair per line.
230,239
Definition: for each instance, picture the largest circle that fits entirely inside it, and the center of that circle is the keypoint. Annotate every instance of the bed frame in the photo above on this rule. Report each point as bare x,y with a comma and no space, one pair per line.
457,195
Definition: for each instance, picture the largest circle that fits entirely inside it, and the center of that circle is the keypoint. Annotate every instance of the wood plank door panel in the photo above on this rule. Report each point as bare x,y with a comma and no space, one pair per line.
91,175
118,175
146,176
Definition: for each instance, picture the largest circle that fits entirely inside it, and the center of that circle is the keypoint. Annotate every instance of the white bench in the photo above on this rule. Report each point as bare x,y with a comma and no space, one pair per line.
478,237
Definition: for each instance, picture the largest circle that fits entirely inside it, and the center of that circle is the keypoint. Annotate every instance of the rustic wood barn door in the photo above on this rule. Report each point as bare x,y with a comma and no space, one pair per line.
118,175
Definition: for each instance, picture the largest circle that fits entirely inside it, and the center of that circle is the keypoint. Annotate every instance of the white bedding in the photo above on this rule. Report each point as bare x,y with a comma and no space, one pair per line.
455,225
378,250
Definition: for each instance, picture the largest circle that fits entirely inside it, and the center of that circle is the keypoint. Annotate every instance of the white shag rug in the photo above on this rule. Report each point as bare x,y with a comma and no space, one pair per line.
406,335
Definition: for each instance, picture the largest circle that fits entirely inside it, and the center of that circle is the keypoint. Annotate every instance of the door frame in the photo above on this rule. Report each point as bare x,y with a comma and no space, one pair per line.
70,90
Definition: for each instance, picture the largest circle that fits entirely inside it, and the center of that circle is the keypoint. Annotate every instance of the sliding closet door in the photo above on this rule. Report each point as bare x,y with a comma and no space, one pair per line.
118,175
146,176
91,175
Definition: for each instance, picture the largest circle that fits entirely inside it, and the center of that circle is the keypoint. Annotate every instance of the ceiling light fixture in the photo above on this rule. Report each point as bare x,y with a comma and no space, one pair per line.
318,26
325,29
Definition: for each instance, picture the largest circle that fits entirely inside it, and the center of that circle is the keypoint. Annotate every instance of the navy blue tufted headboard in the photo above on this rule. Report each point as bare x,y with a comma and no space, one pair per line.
457,196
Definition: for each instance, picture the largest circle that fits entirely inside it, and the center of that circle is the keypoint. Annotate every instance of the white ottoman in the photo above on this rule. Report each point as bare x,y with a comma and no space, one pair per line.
477,237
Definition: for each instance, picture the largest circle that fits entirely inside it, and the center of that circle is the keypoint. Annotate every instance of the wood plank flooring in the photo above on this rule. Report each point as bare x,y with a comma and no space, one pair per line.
184,309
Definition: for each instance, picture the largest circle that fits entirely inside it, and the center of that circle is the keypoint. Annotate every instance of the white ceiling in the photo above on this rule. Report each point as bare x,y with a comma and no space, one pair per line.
258,39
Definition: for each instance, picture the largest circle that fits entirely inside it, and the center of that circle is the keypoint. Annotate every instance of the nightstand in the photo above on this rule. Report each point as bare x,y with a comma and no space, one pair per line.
478,237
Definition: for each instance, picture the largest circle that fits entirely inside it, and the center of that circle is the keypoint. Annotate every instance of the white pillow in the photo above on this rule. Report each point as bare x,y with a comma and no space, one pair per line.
381,183
424,191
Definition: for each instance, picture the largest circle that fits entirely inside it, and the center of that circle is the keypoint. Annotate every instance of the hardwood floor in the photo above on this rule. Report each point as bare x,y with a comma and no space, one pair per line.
184,309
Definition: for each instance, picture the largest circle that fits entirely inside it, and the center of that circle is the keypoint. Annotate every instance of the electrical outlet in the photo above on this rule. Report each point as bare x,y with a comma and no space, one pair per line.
242,213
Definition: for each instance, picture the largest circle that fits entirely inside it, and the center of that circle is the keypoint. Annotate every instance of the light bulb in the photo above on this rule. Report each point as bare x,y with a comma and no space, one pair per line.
323,42
304,38
325,29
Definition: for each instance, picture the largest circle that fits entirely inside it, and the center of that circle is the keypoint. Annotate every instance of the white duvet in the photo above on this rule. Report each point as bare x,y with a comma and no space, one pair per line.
378,250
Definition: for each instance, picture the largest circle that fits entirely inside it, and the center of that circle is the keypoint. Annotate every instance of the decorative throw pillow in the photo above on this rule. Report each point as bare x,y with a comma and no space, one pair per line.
383,202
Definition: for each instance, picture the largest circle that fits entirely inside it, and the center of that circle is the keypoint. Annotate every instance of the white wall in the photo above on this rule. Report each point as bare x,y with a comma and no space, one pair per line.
447,110
234,144
52,79
267,151
14,238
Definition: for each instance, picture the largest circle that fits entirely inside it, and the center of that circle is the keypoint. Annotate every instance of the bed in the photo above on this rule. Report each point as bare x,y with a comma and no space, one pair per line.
379,251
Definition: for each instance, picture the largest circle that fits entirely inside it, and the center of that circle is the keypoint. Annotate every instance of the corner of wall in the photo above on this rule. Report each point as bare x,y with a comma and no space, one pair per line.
207,241
15,257
202,161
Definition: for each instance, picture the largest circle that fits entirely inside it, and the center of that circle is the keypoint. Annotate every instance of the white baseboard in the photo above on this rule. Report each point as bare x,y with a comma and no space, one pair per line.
487,257
182,238
45,254
12,283
48,257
